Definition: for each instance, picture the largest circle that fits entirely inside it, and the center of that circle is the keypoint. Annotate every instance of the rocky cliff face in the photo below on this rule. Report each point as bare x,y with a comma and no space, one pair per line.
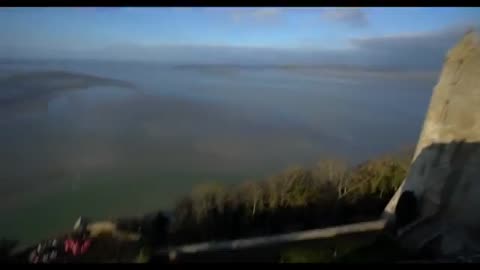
445,171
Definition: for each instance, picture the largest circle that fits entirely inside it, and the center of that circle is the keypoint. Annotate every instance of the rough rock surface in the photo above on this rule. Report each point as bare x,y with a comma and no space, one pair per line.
445,171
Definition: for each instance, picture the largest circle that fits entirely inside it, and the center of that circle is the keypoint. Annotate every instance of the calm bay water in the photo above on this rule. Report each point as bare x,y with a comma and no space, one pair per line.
104,151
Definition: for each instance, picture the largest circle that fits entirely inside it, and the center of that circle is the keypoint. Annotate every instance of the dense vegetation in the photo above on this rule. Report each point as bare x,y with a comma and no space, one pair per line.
330,193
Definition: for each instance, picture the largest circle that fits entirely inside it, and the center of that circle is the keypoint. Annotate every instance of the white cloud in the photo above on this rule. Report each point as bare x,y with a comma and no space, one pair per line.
263,13
350,16
421,50
256,14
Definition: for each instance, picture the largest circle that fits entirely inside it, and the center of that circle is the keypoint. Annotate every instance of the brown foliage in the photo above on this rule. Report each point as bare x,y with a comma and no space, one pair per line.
330,193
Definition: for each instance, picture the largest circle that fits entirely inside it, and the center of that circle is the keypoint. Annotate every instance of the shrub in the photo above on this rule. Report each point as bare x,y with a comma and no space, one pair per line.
328,194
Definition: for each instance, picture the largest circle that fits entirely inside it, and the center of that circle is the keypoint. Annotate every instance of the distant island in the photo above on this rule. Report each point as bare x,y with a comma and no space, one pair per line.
21,87
33,90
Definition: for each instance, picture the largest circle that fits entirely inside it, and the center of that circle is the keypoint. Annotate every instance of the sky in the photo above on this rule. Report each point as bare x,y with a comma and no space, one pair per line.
393,37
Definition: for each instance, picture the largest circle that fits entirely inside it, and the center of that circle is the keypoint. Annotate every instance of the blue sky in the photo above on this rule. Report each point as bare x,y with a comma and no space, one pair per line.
69,30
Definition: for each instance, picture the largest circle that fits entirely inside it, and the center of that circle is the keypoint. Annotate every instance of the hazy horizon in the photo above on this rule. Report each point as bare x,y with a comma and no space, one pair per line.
391,38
